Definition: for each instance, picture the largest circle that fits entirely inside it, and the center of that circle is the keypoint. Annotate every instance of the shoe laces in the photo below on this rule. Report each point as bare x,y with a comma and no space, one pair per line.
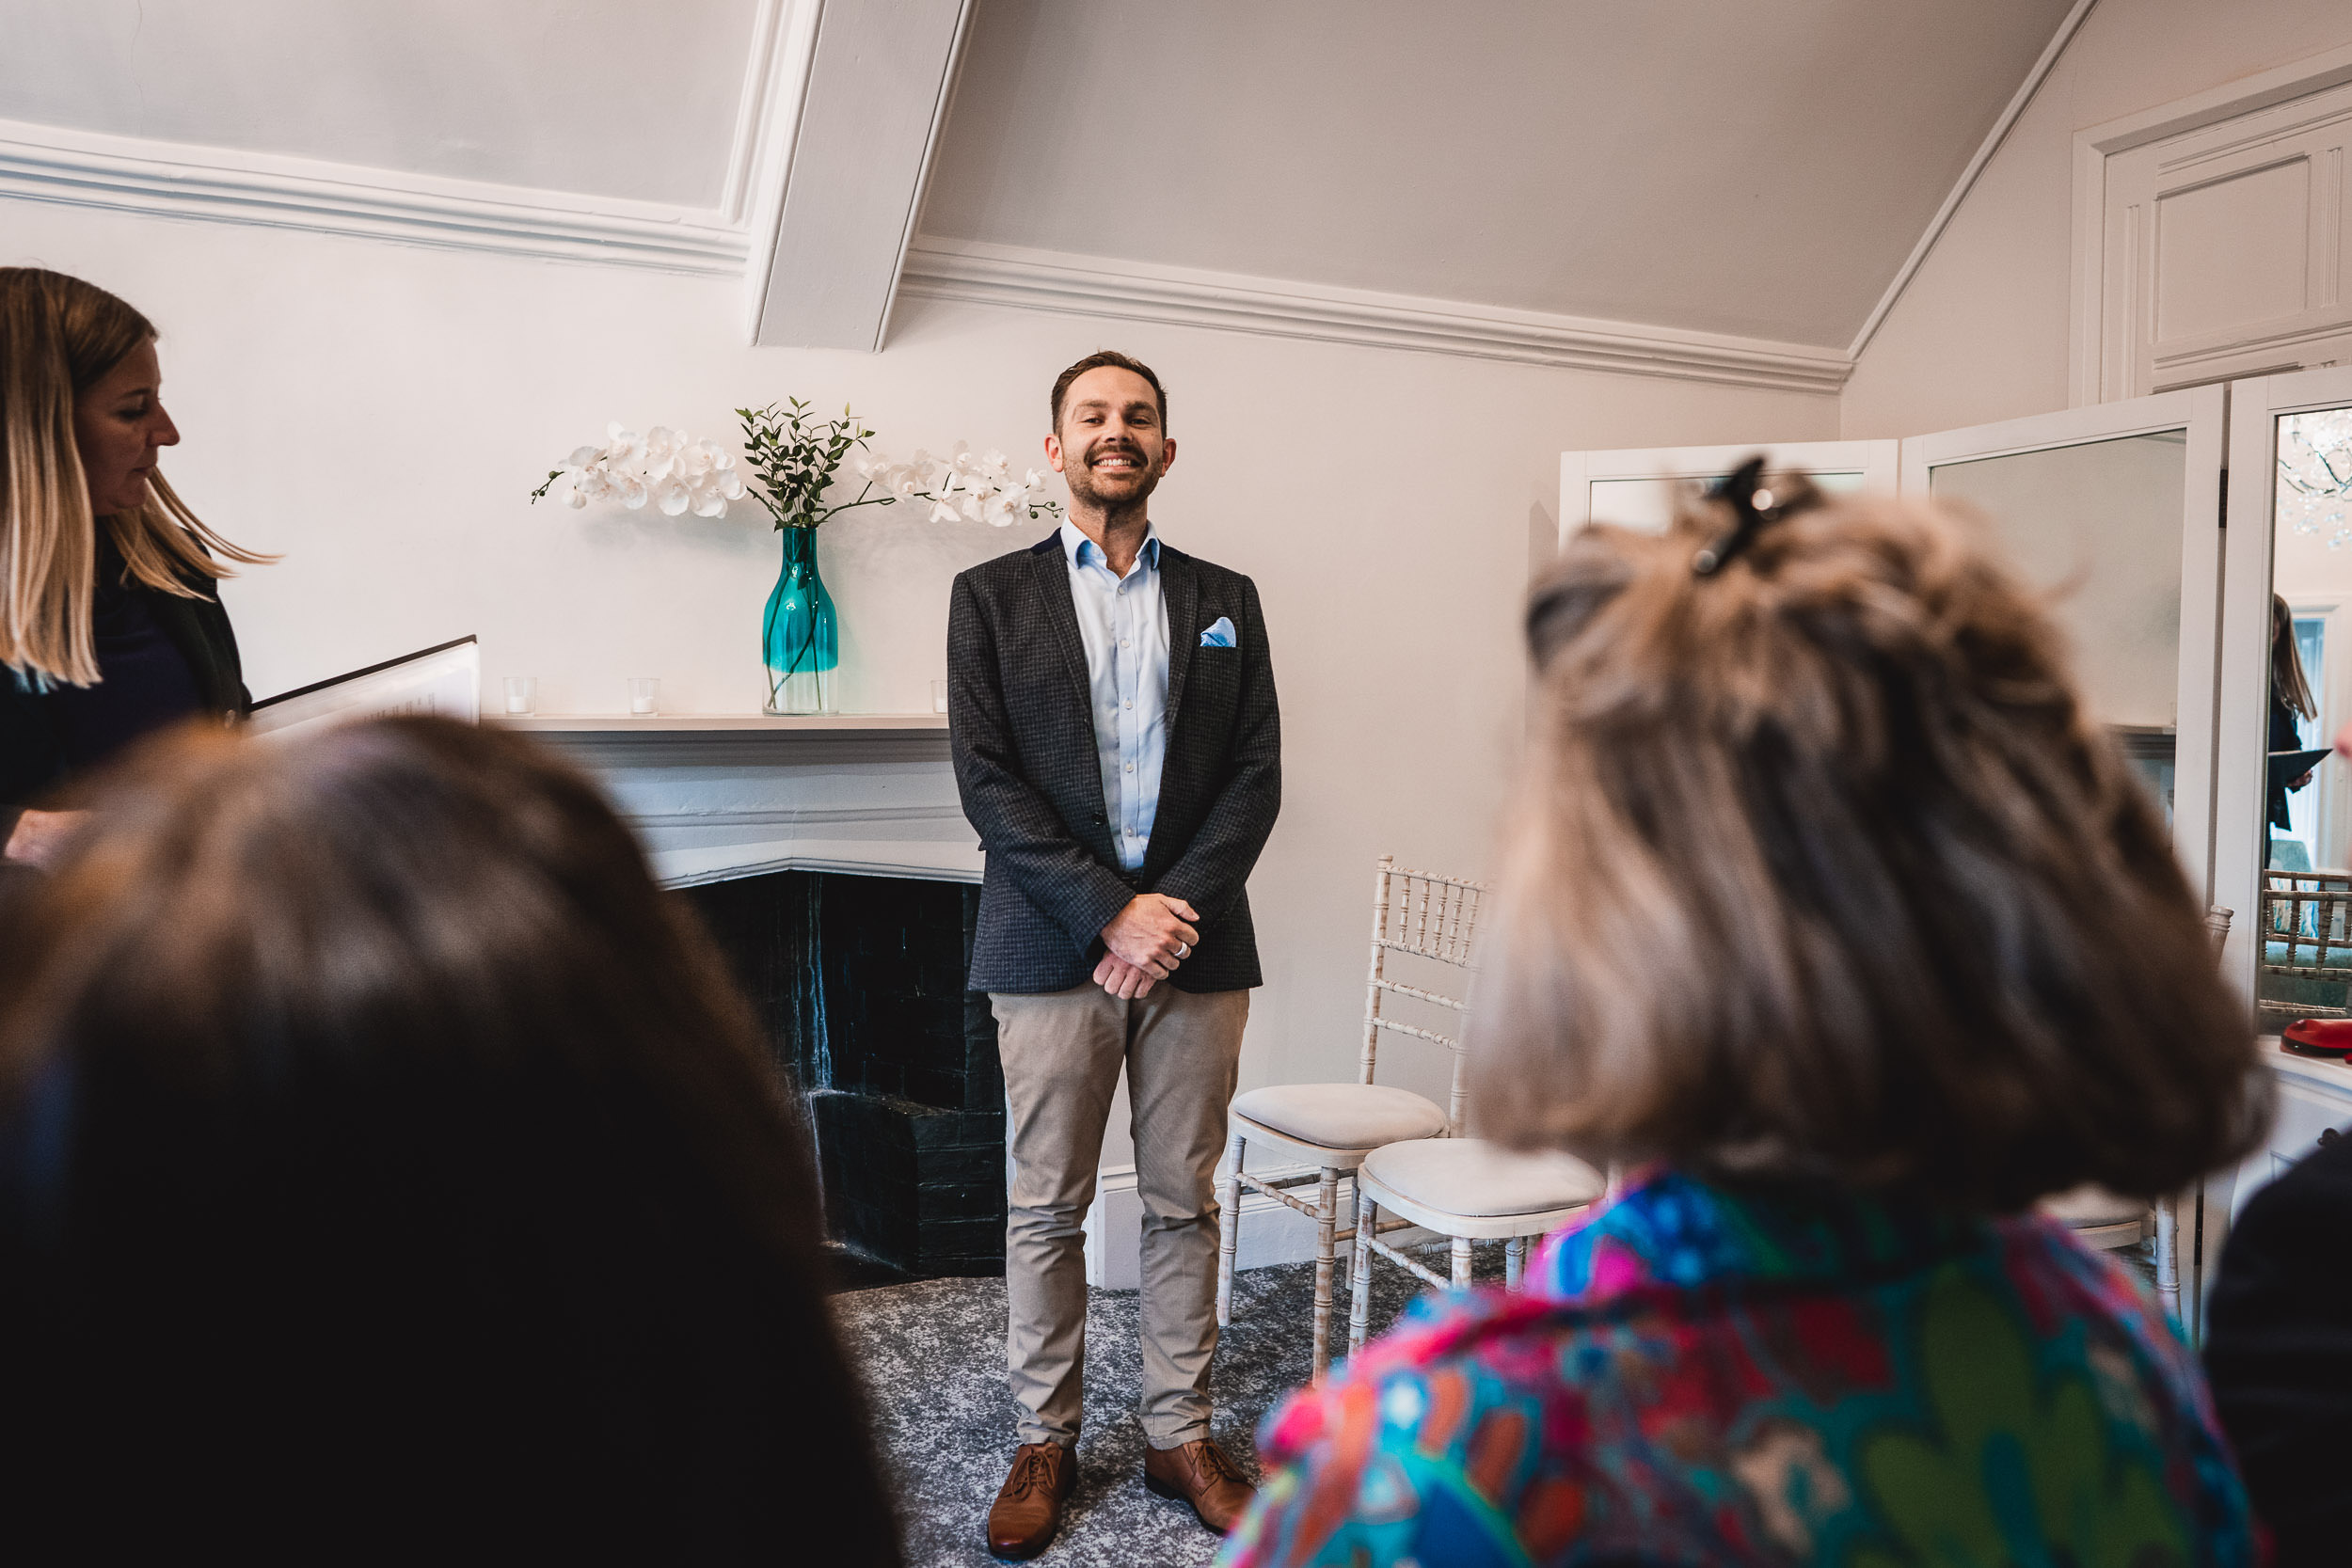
1034,1473
1212,1466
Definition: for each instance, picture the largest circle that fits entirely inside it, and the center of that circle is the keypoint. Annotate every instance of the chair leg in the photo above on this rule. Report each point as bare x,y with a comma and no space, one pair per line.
1228,1231
1360,1287
1327,1224
1461,1263
1514,1262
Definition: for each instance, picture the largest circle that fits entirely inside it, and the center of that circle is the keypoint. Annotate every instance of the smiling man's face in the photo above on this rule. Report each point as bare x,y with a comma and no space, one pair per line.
1110,446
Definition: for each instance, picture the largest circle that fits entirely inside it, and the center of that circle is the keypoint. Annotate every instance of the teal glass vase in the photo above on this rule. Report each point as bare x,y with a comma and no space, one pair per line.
797,637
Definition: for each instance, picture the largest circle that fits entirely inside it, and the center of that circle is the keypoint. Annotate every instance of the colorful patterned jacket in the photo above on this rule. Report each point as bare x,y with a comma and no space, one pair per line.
1701,1377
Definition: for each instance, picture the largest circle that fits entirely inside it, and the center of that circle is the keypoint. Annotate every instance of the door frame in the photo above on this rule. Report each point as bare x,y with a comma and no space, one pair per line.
2203,413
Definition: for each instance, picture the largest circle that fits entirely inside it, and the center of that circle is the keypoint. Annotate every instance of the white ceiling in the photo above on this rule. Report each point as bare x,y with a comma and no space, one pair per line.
618,98
1724,166
1719,166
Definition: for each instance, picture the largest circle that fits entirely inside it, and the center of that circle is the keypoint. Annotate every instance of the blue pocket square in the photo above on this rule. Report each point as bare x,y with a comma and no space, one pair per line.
1220,635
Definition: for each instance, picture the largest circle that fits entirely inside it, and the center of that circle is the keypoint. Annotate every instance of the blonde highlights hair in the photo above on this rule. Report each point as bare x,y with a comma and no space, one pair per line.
59,337
1821,872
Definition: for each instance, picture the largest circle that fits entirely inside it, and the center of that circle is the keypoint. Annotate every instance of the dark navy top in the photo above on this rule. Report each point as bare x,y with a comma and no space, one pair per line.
143,679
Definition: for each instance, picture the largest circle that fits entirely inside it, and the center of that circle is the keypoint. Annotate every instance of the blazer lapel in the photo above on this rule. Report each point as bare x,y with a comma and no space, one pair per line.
1053,581
1181,590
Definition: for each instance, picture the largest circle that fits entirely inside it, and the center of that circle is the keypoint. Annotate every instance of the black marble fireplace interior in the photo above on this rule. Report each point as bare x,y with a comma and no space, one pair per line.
858,984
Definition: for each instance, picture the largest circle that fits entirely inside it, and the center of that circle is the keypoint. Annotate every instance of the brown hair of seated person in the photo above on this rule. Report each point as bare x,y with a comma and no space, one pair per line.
1822,873
390,1172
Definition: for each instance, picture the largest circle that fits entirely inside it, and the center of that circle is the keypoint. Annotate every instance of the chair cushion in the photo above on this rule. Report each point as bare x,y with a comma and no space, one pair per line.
2087,1208
1478,1179
1341,1116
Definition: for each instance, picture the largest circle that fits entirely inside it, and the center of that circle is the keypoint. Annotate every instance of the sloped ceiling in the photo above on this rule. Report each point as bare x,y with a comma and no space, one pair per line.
1717,165
1723,165
633,98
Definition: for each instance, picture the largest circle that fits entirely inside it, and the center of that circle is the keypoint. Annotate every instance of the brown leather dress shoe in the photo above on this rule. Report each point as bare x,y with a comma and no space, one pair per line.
1198,1473
1028,1510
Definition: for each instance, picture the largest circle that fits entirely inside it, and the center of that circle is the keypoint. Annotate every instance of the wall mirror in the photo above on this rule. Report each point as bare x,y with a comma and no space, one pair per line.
2304,969
2097,524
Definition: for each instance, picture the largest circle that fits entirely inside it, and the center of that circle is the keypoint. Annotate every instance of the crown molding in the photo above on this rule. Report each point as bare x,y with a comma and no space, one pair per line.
83,168
1069,284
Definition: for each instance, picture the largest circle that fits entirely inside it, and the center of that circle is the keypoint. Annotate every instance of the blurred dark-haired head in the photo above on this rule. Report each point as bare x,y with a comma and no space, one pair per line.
391,1170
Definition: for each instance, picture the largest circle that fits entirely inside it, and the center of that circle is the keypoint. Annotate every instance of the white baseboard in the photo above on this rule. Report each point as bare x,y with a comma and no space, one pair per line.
1271,1230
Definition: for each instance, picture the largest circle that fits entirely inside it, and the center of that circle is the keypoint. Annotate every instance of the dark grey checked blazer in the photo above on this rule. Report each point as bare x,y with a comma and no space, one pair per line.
1020,726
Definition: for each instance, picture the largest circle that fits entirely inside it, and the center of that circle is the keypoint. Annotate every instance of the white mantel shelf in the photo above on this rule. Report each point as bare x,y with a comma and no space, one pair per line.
716,796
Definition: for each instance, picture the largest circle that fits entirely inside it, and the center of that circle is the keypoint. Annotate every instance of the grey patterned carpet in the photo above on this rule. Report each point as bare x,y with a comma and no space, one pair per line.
933,1354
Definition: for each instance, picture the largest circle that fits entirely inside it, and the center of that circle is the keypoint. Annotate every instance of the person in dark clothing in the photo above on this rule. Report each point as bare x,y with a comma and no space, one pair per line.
110,626
2279,1356
389,1173
2291,707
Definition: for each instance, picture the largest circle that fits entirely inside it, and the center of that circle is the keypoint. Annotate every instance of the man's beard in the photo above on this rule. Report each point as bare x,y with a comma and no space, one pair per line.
1080,478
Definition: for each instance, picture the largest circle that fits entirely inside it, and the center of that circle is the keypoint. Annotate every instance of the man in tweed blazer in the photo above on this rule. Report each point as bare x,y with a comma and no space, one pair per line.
1112,716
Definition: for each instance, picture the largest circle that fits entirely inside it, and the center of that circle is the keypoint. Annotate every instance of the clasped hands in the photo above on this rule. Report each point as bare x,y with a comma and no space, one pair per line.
1144,942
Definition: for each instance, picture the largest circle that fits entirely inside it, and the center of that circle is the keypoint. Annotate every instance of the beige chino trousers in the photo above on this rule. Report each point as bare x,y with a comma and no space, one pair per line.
1062,1054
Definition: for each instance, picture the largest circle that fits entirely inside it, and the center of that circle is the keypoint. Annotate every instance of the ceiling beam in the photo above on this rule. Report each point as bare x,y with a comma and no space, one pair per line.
879,78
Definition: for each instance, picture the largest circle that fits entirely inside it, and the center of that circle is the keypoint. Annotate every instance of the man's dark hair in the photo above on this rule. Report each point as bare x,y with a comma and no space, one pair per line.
1098,360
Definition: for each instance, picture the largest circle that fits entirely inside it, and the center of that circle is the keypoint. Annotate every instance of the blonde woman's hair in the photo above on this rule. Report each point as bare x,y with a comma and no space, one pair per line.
59,337
1822,873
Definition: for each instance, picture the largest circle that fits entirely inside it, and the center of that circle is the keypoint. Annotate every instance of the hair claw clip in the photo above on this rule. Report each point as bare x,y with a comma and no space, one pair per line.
1751,508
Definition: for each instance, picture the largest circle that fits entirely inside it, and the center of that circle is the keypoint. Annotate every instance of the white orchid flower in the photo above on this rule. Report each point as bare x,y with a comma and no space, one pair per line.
711,505
730,482
583,457
632,491
944,512
1002,509
995,463
1033,480
675,498
972,507
574,498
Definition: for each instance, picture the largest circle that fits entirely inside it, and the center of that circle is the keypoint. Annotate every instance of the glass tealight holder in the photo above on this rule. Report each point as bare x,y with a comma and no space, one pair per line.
522,695
939,696
644,695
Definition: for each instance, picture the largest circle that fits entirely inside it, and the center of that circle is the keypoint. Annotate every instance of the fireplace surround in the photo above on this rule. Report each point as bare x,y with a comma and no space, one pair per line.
830,861
858,985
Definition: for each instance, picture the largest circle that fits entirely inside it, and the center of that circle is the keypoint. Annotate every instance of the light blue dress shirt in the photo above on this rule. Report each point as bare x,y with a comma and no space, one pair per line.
1123,622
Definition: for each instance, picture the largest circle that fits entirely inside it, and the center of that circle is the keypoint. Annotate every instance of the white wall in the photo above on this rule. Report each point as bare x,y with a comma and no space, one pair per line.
1981,333
378,414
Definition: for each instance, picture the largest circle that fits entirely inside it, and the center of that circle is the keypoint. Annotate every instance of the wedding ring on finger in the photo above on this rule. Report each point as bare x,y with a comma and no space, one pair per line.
1183,949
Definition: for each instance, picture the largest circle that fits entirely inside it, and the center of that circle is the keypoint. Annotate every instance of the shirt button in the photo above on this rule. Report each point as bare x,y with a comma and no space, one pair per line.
1130,703
1122,642
1131,768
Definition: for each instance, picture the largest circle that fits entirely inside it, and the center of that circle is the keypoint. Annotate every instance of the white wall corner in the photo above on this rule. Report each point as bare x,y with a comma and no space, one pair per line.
1024,278
172,180
2035,76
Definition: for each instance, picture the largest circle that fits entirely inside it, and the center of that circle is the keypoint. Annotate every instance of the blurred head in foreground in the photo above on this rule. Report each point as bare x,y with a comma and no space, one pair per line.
1822,874
390,1171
